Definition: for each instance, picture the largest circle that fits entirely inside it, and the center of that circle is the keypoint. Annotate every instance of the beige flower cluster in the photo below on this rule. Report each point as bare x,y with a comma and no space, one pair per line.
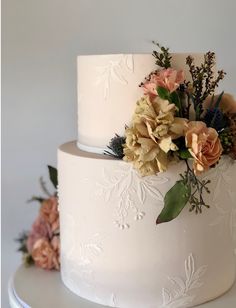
149,140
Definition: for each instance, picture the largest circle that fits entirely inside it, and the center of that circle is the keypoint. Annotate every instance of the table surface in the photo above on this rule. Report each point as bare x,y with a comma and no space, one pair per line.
36,288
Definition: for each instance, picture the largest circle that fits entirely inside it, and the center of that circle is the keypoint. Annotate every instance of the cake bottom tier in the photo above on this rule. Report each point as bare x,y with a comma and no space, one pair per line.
113,253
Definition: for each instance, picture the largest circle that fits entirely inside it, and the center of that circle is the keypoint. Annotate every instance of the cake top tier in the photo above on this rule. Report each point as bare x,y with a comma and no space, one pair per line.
108,89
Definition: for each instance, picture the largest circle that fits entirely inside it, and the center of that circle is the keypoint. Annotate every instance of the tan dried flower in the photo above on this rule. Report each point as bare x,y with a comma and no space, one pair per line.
149,139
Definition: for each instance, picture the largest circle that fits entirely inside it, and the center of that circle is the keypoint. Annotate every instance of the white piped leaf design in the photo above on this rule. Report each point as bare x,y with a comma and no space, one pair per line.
227,209
112,302
116,71
180,295
90,250
132,190
129,61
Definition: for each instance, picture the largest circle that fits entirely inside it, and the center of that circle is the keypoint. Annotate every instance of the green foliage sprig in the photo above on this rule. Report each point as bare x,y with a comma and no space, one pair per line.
204,82
227,140
189,189
198,187
163,58
52,171
22,239
228,136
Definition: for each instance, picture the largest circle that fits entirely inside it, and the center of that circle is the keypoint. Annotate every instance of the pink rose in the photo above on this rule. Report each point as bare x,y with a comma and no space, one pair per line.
204,145
40,229
45,256
49,211
169,79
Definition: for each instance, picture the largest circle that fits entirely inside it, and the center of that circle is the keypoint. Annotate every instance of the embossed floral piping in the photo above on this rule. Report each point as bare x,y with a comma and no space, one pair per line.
113,300
226,210
115,71
180,295
132,190
88,251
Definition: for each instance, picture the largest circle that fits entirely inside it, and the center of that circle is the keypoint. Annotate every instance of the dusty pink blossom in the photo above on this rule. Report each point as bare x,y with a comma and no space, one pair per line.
49,211
44,255
204,145
40,229
169,79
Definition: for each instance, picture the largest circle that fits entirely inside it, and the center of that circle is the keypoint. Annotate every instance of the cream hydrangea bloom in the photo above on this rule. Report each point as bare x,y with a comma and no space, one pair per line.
149,139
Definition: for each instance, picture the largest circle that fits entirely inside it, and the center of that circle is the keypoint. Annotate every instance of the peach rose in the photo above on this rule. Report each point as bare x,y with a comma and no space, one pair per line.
169,79
49,211
40,229
44,255
204,145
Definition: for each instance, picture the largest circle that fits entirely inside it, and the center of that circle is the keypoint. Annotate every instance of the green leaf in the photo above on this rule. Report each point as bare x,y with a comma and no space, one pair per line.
175,200
35,198
198,112
174,98
216,107
212,101
184,154
163,93
53,176
219,100
28,260
22,240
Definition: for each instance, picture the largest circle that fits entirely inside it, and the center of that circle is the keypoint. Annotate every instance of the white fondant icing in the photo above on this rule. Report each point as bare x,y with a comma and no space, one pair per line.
108,89
134,264
91,149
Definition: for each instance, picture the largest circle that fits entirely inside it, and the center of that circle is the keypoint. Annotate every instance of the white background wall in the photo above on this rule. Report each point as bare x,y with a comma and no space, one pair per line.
40,42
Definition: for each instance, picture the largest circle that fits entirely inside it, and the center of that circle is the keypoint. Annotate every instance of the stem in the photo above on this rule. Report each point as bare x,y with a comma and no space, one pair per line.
196,201
44,188
188,105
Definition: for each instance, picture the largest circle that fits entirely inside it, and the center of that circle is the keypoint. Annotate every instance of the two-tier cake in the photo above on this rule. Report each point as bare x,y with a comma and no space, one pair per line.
112,251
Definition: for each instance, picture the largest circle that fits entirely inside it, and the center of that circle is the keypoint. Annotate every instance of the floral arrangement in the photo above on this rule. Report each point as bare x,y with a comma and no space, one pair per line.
180,120
41,245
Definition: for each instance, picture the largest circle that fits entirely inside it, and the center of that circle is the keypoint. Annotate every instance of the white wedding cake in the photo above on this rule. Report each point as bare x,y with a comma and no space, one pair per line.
112,251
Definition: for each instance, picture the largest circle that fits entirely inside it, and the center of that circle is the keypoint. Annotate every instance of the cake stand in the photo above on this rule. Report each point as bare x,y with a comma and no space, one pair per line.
35,288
